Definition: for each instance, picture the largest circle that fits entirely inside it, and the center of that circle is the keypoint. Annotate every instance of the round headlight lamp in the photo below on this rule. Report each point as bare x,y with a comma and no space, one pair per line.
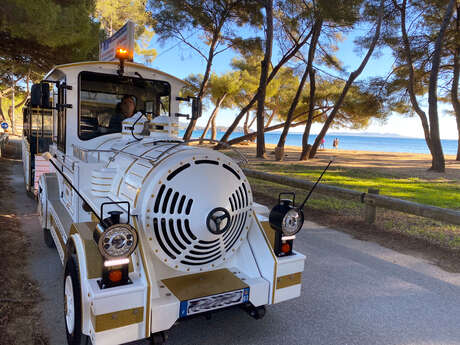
286,218
292,222
117,241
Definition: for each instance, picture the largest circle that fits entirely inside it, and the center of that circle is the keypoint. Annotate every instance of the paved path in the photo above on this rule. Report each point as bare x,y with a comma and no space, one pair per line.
354,293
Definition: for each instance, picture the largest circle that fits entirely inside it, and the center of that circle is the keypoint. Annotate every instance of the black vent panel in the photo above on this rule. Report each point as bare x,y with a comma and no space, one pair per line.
178,241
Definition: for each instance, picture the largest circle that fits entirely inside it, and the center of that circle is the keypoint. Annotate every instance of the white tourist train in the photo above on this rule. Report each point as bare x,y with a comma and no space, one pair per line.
150,229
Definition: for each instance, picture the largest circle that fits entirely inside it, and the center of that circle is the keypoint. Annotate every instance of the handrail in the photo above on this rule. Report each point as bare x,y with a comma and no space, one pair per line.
370,199
162,155
151,161
244,160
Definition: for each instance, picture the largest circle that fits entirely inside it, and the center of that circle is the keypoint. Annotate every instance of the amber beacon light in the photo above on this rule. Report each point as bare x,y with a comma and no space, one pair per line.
122,53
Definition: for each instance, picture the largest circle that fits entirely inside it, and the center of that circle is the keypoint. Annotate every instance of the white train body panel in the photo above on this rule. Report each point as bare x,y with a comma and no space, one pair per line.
171,190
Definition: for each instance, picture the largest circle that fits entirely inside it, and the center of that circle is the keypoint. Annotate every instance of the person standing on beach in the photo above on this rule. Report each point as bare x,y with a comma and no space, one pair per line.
334,143
337,143
323,141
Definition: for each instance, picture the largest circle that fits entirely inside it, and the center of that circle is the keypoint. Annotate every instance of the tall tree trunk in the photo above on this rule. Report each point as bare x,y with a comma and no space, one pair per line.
291,53
454,88
306,134
411,83
311,73
212,117
204,83
252,121
252,136
270,119
213,126
20,104
279,150
348,84
263,79
438,162
2,117
245,124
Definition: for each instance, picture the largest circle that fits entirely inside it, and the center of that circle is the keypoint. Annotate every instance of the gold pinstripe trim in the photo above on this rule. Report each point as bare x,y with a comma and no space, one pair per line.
117,319
150,149
94,218
126,171
130,185
117,153
105,142
137,196
149,283
144,157
127,196
273,254
102,178
289,280
119,186
100,191
133,173
139,190
147,175
145,166
101,184
41,109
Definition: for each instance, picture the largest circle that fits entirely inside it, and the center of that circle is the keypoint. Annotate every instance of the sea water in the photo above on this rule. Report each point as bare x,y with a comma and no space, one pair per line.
355,142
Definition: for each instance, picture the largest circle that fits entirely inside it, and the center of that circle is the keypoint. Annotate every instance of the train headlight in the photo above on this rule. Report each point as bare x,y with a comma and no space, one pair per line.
285,217
287,220
117,241
292,222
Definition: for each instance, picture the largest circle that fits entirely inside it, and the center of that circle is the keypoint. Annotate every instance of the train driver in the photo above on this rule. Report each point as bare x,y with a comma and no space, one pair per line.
124,110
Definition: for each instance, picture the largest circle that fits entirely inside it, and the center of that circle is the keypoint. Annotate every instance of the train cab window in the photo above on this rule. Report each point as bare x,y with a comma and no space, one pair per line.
37,127
103,99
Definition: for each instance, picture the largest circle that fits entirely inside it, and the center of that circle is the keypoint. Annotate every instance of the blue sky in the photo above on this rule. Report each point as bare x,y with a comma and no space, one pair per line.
180,61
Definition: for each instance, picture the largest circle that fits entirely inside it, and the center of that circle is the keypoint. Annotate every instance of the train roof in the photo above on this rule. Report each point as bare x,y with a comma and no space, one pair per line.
114,63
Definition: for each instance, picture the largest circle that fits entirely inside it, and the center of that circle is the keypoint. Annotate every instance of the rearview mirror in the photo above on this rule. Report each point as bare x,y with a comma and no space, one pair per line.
196,108
40,95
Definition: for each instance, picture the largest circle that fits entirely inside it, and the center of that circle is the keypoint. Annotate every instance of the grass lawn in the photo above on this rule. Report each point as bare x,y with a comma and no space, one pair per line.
442,193
338,213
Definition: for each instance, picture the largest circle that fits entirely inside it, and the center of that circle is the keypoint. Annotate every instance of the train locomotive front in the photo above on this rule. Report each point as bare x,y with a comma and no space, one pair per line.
193,204
150,229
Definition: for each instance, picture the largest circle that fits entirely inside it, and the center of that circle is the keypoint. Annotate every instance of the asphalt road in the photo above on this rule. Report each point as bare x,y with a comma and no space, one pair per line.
353,293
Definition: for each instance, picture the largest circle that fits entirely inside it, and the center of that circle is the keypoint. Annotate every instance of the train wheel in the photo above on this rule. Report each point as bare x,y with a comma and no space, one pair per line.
158,338
255,312
48,238
72,304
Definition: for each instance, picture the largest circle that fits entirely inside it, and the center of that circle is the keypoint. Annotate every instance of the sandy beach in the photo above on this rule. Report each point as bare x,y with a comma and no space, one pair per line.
392,163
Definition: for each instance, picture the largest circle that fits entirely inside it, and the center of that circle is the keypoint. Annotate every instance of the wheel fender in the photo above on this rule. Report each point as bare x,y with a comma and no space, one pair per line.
75,244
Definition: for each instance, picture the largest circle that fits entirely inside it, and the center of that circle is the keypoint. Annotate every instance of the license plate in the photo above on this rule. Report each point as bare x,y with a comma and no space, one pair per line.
213,302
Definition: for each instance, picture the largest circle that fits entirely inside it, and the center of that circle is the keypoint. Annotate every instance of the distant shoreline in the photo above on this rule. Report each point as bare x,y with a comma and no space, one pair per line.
402,163
338,151
357,142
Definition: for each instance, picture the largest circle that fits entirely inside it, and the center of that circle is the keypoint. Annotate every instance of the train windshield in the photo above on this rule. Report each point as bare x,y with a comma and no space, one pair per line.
106,100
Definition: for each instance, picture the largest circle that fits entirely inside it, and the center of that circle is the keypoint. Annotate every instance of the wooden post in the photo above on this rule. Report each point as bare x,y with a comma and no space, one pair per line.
370,209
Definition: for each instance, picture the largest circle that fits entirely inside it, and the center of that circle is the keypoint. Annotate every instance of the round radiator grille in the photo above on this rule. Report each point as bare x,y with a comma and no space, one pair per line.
177,212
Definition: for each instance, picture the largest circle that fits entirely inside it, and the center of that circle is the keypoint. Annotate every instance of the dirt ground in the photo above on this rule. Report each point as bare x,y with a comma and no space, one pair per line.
401,164
20,322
